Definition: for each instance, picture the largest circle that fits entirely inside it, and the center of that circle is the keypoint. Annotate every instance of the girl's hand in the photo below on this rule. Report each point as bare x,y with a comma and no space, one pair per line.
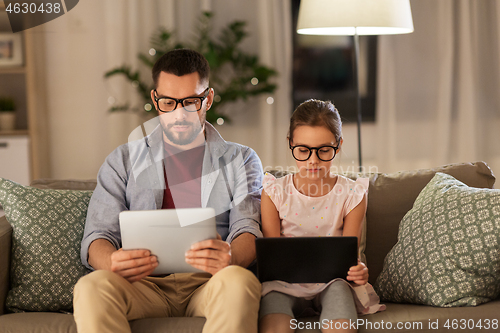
358,274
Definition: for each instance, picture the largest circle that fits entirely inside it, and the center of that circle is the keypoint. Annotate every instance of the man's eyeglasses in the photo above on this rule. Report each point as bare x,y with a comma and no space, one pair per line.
190,104
324,153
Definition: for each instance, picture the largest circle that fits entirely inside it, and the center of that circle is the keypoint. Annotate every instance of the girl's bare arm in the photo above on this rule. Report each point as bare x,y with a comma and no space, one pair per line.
352,227
271,223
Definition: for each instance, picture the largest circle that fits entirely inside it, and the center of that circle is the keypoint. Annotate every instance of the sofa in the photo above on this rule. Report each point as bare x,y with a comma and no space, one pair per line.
390,197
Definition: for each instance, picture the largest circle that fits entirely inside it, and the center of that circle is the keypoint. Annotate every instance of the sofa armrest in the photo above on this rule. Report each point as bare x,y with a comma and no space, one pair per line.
5,248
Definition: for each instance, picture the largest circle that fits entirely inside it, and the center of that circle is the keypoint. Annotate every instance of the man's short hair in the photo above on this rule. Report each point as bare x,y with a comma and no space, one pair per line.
182,62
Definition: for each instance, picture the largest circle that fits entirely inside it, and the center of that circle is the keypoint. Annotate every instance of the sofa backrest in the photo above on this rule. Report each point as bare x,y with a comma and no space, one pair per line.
67,184
390,197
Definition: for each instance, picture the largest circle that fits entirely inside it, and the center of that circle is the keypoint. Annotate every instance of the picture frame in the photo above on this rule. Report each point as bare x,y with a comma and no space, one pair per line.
11,50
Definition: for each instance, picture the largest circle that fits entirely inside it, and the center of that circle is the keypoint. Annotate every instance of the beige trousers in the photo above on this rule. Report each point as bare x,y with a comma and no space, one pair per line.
229,300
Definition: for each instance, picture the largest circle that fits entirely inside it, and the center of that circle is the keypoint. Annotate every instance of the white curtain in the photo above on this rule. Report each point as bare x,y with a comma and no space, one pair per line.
128,27
275,41
438,98
80,47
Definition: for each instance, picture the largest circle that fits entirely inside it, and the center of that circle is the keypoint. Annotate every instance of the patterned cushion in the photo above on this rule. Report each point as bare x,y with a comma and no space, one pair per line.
47,232
447,252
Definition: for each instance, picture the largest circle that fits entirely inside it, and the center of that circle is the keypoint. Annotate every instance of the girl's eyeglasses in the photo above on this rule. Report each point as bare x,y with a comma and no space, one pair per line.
324,153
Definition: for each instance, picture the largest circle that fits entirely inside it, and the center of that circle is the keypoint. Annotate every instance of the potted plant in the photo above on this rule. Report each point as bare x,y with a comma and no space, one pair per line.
7,114
234,74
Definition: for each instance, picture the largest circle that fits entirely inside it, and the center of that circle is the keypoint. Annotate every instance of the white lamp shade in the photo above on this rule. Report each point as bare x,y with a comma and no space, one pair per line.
346,17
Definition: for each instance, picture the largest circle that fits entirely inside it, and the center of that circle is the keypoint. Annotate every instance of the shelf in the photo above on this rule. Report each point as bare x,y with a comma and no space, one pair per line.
14,133
12,70
26,83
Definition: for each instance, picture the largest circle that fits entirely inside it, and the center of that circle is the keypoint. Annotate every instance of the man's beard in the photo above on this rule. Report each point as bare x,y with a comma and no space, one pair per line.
183,138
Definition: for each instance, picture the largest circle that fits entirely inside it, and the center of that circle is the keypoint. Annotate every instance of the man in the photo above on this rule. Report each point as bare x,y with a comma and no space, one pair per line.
184,162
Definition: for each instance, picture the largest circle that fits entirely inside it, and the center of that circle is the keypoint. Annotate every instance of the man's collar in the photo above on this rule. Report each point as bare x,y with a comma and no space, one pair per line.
215,142
155,137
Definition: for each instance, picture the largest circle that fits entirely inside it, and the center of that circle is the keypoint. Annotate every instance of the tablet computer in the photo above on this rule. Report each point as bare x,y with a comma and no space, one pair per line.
168,234
305,259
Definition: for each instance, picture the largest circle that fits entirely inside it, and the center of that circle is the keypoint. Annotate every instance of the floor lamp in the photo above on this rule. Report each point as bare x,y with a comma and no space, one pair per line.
355,18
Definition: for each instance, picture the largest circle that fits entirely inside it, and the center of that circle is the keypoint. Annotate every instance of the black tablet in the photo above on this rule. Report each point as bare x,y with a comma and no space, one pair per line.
305,259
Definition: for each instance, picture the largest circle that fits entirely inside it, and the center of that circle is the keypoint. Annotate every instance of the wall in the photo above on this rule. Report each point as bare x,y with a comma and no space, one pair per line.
77,98
83,44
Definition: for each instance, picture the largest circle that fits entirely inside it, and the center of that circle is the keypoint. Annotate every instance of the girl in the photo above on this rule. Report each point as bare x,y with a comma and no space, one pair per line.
315,202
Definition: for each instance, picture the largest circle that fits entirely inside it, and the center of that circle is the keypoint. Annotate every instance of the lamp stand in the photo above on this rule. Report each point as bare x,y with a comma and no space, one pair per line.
358,97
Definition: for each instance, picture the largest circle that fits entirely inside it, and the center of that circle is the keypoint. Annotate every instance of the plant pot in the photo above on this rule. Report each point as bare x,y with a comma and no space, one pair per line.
7,120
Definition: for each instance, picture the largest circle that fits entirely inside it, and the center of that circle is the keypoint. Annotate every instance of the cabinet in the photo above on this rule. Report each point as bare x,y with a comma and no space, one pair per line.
14,157
24,83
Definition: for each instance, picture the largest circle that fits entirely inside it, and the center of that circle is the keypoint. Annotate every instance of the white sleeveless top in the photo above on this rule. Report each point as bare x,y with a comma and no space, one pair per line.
306,216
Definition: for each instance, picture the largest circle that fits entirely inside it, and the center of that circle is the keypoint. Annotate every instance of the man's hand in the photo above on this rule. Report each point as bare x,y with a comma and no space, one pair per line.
210,255
133,265
358,274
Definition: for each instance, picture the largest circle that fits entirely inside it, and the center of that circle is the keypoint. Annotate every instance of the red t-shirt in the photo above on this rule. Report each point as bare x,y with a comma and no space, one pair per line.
182,177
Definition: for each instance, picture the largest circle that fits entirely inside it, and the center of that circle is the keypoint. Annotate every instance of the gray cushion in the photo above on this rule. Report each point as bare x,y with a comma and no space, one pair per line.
448,248
47,231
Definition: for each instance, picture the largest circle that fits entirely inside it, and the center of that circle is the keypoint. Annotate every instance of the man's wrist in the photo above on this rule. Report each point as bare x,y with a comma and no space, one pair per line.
243,249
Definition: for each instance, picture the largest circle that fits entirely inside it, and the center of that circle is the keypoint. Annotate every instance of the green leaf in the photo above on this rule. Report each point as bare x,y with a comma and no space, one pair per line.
7,104
122,107
146,60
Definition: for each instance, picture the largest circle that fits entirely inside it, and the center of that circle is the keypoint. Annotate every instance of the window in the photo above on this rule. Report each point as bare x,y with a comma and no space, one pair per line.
323,69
